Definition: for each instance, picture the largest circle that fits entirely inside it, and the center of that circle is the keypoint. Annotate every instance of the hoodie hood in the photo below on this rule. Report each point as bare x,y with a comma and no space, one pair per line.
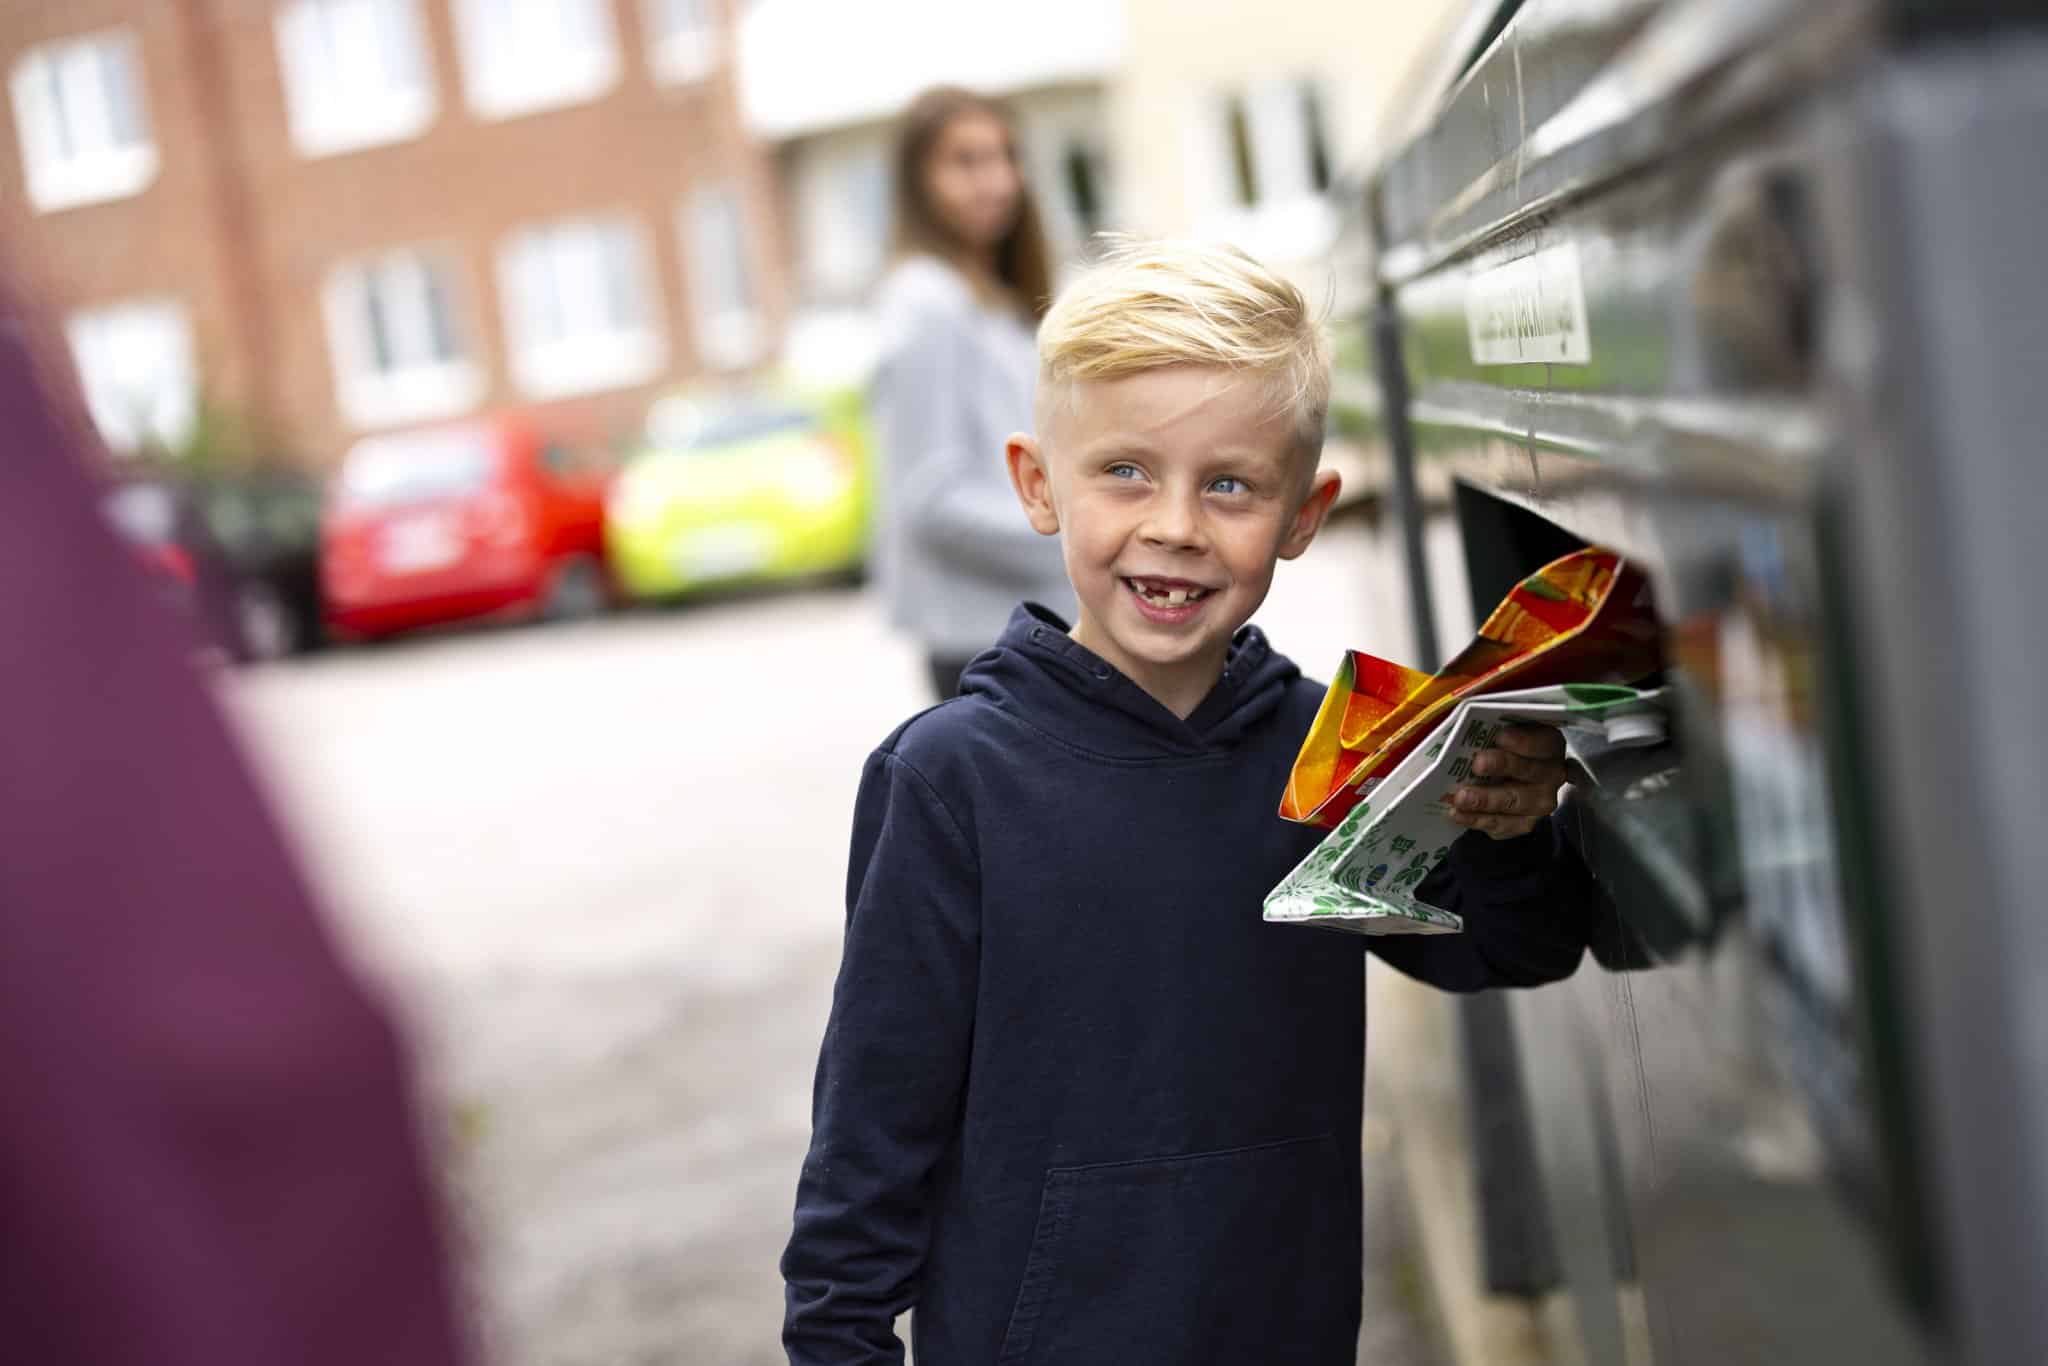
1041,675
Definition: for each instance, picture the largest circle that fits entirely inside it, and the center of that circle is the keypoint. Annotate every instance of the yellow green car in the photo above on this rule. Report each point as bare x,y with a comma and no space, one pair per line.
740,488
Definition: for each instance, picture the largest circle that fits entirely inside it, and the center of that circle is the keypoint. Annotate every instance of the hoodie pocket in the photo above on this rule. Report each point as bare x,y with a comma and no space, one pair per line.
1250,1254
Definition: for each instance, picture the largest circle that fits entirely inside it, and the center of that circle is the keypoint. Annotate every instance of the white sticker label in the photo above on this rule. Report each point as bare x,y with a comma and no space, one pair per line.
1530,312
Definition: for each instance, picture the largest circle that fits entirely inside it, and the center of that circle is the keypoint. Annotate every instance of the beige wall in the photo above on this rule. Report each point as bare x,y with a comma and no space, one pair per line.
1182,53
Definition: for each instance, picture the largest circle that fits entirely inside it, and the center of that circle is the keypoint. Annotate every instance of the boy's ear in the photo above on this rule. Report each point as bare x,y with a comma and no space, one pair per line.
1033,484
1308,519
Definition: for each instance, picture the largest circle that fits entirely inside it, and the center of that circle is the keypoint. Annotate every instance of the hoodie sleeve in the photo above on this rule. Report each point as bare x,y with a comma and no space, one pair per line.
890,1072
1530,907
950,497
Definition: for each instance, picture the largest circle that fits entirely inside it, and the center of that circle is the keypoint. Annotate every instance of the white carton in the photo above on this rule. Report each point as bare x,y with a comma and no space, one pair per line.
1364,875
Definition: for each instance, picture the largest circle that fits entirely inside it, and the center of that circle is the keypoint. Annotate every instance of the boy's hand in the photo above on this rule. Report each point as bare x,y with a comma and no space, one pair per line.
1519,775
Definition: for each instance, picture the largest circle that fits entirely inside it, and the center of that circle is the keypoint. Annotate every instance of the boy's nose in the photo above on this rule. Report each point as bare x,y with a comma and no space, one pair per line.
1173,524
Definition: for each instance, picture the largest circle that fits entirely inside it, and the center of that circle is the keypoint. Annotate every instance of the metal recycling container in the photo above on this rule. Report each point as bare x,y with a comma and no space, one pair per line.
1753,292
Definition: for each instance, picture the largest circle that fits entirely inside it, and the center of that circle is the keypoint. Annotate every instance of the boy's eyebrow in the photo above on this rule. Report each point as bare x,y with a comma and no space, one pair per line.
1270,461
1263,455
1118,444
1123,444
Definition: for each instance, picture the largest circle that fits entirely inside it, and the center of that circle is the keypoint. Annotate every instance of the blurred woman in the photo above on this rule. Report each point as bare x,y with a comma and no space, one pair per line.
958,312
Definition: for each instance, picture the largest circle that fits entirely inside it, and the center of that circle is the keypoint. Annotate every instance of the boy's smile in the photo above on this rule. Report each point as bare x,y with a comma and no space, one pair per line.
1167,601
1174,492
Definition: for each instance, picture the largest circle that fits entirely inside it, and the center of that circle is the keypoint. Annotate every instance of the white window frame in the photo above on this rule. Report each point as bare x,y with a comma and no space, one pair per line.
589,360
505,78
687,55
1289,217
422,386
164,408
1049,136
731,332
105,170
841,197
338,107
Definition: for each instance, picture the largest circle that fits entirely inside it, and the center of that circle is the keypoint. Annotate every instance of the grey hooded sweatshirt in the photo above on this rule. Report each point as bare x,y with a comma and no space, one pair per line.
954,554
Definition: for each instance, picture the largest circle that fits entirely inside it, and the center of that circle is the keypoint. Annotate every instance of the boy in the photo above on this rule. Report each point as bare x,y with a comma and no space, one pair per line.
1076,1102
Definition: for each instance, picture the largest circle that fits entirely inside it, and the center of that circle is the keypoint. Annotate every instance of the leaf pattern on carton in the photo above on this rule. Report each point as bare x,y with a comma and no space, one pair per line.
1364,876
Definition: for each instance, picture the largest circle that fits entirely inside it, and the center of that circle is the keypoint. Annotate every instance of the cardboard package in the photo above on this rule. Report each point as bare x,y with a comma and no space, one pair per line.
1584,618
1364,877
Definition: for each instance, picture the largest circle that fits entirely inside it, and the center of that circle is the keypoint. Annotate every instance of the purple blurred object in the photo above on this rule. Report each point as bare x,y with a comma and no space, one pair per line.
208,1150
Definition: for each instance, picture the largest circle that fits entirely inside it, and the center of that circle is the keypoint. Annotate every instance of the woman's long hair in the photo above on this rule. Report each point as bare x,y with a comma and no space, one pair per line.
1022,266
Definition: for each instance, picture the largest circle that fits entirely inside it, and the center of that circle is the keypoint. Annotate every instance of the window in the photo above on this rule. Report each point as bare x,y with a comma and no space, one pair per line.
1260,159
746,420
842,201
355,73
682,39
1081,179
1315,136
578,307
145,512
722,280
1065,158
418,467
523,56
1244,166
400,351
135,363
1275,144
84,131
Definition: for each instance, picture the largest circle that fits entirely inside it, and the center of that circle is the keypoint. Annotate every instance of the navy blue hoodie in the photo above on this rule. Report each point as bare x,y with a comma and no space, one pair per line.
1076,1101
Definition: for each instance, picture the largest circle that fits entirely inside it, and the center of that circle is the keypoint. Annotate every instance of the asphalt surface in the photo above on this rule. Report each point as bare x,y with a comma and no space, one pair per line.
600,868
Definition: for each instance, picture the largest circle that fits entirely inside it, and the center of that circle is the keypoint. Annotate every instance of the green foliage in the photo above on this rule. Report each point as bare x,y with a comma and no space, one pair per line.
223,440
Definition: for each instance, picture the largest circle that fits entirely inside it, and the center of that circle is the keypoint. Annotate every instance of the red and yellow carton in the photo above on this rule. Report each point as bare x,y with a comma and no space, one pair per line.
1585,618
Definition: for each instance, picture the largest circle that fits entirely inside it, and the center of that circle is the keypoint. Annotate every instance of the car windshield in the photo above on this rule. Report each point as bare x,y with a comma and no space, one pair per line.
144,513
388,471
731,426
680,424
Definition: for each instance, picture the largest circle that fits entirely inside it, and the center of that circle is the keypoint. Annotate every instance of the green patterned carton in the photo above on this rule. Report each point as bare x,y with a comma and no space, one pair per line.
1364,875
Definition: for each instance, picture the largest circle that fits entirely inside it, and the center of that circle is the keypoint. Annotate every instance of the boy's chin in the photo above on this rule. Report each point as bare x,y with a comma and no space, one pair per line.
1162,649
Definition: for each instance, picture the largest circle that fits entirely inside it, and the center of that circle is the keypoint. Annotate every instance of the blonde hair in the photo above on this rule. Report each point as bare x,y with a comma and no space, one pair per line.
1148,304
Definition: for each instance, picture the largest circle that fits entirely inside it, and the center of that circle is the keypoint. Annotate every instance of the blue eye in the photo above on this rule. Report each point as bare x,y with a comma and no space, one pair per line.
1235,484
1124,471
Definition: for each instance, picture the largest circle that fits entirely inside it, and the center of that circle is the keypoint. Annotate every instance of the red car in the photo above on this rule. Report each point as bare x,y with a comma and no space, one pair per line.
455,523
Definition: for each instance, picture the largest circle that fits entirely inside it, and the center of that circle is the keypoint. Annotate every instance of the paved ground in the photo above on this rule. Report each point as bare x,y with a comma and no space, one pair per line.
601,867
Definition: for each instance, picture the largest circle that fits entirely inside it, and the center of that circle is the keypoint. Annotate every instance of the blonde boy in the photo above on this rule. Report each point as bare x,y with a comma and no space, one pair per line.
1076,1103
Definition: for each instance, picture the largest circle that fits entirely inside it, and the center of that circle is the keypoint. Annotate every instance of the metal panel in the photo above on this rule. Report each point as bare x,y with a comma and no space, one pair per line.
1944,326
1577,92
1729,288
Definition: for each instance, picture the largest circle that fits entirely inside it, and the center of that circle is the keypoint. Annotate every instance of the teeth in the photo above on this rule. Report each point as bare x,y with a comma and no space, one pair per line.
1166,597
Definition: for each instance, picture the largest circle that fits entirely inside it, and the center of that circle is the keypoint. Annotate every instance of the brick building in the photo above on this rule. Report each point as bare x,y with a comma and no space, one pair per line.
330,217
